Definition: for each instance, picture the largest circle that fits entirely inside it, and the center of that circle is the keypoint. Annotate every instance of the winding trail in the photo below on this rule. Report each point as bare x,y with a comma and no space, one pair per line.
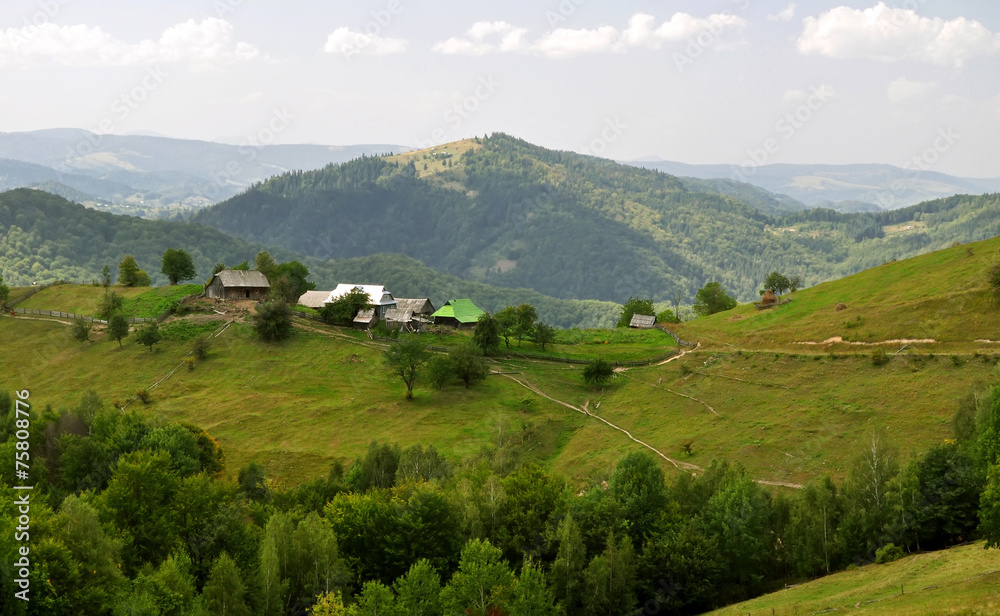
683,466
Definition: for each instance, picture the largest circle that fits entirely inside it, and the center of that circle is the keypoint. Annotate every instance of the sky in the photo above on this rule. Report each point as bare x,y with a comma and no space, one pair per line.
913,83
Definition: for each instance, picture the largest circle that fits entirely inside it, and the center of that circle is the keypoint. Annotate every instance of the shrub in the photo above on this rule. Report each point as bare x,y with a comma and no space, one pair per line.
189,362
597,372
144,396
879,357
201,347
888,553
81,330
993,277
956,360
440,371
273,321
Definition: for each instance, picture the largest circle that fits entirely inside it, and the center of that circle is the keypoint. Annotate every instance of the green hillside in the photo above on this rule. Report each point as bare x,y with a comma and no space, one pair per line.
44,238
960,580
942,297
502,211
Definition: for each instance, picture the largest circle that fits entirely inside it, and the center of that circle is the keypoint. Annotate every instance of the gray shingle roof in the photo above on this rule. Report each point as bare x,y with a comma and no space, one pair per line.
243,278
642,321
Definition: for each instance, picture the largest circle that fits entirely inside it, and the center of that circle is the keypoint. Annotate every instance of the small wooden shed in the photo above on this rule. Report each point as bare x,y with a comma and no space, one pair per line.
642,321
238,284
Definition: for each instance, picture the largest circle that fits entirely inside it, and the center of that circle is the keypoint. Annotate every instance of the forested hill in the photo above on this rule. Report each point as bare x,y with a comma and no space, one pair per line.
44,238
502,211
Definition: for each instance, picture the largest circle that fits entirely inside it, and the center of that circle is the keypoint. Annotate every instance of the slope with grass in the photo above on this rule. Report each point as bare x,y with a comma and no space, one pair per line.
324,394
941,296
961,580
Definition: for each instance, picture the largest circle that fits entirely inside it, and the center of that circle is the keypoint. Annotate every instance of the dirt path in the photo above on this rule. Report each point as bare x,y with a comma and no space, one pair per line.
684,466
47,320
840,340
677,464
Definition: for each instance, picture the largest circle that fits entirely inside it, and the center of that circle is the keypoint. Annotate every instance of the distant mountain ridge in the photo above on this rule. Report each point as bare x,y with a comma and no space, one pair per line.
146,172
502,211
885,186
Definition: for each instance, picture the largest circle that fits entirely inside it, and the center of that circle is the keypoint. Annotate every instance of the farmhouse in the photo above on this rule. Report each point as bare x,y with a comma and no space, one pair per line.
642,321
418,306
238,284
314,299
458,313
378,296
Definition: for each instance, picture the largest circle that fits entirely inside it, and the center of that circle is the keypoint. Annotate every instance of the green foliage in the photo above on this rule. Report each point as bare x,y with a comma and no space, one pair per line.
129,274
440,371
110,304
993,278
342,310
712,298
4,292
543,334
273,321
223,593
468,363
879,357
637,484
632,307
598,372
118,327
567,569
177,265
486,336
610,579
106,276
481,583
949,483
667,316
419,590
888,553
148,335
777,283
253,482
81,329
405,360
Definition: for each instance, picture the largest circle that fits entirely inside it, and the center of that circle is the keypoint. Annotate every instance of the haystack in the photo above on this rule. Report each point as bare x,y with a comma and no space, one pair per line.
768,299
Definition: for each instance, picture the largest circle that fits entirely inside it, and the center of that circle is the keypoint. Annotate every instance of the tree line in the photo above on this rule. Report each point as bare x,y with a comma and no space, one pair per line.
135,515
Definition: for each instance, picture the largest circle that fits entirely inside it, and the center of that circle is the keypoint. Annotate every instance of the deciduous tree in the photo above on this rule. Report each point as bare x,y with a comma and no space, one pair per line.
273,321
177,265
712,298
118,327
633,306
405,359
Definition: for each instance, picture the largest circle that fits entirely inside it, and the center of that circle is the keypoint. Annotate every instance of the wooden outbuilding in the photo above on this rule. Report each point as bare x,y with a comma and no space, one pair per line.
642,321
238,284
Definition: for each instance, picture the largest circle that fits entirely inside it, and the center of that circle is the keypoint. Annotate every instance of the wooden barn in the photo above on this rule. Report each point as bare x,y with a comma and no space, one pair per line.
642,321
238,284
314,299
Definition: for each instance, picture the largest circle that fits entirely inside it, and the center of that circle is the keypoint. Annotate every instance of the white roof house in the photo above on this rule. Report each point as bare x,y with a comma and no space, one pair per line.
378,296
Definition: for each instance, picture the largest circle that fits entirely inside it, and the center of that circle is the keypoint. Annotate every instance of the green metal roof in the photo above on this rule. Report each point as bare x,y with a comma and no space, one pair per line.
462,310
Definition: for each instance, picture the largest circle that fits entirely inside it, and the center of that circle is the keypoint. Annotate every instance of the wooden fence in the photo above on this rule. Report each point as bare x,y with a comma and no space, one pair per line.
70,315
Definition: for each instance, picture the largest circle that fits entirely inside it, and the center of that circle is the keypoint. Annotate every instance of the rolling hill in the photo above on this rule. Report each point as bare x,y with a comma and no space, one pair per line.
154,176
501,211
878,186
44,238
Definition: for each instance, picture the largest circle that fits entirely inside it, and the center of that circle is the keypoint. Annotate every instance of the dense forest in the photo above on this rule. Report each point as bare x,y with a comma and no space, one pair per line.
512,214
44,238
135,515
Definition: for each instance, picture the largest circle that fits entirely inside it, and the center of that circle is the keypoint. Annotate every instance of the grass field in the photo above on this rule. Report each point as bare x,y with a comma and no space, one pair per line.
941,296
145,302
791,413
960,581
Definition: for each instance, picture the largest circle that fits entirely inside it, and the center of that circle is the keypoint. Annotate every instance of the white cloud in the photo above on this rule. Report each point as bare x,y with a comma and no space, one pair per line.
785,15
893,34
350,42
641,31
903,89
484,37
203,43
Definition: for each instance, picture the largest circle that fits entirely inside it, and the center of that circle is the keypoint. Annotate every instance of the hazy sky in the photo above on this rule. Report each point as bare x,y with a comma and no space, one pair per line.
721,81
